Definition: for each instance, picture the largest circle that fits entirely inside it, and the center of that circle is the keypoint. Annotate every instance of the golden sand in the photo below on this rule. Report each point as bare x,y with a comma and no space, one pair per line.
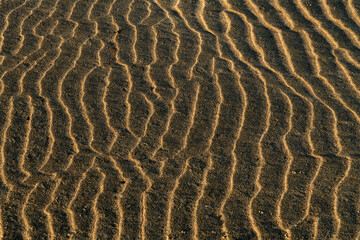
179,119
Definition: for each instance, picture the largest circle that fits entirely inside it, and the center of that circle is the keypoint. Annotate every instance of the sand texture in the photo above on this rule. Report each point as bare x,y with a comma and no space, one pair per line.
180,119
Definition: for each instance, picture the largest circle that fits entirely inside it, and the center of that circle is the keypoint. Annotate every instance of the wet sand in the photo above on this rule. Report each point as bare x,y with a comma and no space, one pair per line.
179,119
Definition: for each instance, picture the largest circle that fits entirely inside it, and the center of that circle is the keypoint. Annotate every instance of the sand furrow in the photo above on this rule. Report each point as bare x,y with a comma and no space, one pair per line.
125,33
174,89
190,180
34,7
83,118
5,122
26,72
12,208
335,28
351,10
109,101
144,89
12,8
13,218
340,181
17,137
149,37
136,181
347,202
176,182
172,202
300,232
145,42
181,69
96,122
24,79
162,51
347,92
38,143
266,204
140,100
322,119
117,101
283,80
302,105
47,90
215,173
102,8
133,53
199,138
75,80
27,139
15,61
290,159
94,206
348,158
223,157
158,195
27,128
83,153
346,143
215,231
202,73
61,223
106,114
44,26
280,75
56,102
329,31
35,91
32,42
69,207
51,136
345,99
336,12
23,210
256,46
95,111
198,231
101,122
180,112
242,66
203,147
13,78
108,211
159,73
39,221
141,111
155,119
74,211
271,194
181,14
13,37
258,185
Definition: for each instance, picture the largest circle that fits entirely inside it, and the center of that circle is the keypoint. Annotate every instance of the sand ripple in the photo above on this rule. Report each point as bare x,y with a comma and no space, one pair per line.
156,119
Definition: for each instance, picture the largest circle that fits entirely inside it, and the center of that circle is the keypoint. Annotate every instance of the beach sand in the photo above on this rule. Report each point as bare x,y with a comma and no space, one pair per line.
179,119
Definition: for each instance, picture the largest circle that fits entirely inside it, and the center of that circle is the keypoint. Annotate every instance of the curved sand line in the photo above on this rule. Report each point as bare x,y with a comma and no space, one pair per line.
179,119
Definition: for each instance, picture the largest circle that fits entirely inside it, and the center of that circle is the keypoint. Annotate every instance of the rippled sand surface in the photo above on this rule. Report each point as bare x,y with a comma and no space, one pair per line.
179,119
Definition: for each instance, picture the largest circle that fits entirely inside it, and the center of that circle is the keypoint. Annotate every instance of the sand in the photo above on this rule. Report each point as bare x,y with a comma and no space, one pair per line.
179,119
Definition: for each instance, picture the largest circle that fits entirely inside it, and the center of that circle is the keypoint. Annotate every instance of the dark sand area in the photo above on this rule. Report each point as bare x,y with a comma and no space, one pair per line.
180,119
